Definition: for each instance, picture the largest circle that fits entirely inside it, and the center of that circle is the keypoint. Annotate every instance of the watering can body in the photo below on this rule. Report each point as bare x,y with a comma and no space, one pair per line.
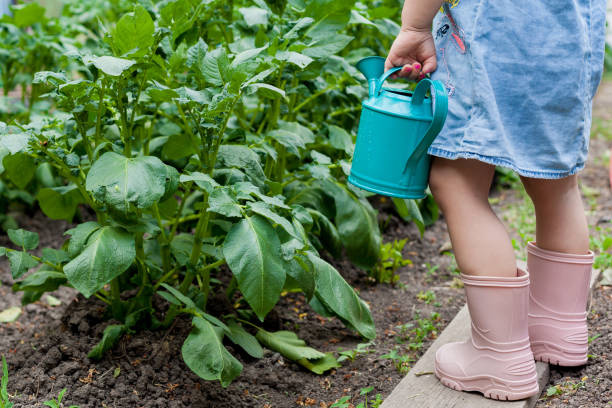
395,130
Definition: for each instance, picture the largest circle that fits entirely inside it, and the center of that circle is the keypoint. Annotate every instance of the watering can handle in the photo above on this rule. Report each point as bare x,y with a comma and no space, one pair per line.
380,81
440,108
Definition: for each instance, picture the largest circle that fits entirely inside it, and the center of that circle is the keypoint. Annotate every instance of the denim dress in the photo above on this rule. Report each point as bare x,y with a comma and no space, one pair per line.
521,76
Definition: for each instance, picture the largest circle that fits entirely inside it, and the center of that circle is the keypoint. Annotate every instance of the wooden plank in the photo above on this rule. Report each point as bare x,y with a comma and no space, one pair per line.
421,389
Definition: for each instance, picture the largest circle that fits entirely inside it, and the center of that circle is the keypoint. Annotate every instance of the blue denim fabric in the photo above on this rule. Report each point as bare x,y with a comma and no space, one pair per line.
520,95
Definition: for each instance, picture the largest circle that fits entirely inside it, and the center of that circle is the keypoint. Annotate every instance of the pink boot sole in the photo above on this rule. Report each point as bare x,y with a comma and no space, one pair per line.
490,387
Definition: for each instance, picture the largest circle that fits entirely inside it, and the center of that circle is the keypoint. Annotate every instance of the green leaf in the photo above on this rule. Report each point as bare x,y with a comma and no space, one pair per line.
298,130
179,146
277,6
172,182
328,234
134,33
357,225
330,17
20,263
25,239
292,143
288,344
15,142
267,90
264,209
301,270
299,25
55,256
338,296
180,297
341,139
59,203
4,383
110,65
52,301
215,66
10,315
79,236
112,334
320,365
122,182
222,202
205,355
295,349
19,168
254,15
294,58
202,180
252,251
241,157
328,46
43,280
238,335
27,14
196,53
409,211
109,251
181,247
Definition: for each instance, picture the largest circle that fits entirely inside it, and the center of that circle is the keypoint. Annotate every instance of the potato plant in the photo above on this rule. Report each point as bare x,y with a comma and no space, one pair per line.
210,142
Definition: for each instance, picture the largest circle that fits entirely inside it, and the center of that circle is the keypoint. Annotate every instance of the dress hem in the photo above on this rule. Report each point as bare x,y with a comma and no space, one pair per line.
497,161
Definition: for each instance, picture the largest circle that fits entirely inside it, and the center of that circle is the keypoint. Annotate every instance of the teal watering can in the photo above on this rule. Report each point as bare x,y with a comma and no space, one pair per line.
395,130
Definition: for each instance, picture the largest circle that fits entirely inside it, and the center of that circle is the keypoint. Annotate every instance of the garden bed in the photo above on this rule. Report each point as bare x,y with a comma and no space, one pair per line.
46,347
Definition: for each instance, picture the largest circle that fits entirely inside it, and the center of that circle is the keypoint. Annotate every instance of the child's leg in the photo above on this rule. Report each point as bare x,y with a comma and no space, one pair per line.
480,241
560,221
559,265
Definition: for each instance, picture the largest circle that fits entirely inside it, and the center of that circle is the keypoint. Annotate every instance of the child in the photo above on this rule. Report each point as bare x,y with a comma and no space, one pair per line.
520,75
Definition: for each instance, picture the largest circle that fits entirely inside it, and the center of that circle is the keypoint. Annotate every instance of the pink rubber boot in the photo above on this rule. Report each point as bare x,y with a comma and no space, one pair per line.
497,361
560,285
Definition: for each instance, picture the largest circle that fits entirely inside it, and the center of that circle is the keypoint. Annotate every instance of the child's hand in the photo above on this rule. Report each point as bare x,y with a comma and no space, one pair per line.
415,51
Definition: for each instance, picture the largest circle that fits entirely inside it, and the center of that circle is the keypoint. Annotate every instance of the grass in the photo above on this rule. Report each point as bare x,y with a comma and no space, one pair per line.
412,336
345,401
568,387
4,396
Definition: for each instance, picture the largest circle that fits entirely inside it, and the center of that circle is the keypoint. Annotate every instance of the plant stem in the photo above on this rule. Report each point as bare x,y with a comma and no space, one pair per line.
313,97
98,136
116,306
164,278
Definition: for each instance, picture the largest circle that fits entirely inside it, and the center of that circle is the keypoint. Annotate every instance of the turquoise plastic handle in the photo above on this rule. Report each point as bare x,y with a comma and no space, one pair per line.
440,109
383,78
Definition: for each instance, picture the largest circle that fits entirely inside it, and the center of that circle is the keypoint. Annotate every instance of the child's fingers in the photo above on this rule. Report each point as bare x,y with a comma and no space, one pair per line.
429,65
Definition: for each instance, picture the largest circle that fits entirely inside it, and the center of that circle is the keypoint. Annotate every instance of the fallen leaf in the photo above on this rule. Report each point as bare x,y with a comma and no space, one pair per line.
52,300
10,315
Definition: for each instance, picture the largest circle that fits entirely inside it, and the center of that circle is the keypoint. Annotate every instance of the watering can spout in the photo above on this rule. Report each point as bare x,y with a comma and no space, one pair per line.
371,68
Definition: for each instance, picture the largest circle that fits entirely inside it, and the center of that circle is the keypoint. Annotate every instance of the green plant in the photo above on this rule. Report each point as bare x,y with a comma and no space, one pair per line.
427,297
452,267
351,354
567,387
57,402
344,401
205,138
391,259
4,396
601,242
416,333
431,269
401,361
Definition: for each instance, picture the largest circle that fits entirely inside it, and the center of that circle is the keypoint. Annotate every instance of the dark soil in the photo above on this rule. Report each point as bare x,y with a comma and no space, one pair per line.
46,348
